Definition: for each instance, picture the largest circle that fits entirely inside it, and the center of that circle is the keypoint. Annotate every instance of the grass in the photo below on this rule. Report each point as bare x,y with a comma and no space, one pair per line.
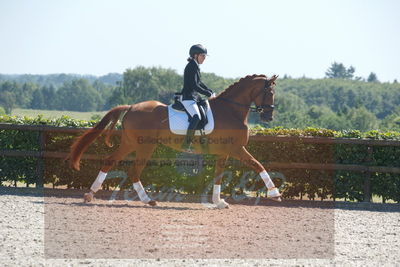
51,114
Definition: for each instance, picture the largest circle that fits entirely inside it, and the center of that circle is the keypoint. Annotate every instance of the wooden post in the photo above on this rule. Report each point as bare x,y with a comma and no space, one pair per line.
367,177
40,159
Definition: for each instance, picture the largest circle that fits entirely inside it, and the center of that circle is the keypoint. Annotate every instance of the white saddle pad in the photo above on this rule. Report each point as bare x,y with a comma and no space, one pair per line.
178,121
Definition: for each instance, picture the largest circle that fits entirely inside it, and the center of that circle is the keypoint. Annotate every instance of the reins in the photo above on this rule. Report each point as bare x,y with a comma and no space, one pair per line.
257,109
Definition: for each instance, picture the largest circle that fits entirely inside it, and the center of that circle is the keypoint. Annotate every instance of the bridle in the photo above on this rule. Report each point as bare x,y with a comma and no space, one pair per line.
258,109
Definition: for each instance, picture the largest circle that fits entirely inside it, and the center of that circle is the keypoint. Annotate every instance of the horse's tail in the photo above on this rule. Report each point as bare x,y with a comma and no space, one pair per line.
81,143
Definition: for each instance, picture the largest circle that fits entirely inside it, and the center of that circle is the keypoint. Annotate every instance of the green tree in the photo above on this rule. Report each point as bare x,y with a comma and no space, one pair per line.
361,119
331,120
323,116
105,91
78,95
289,102
142,84
330,103
339,71
372,78
50,96
315,112
392,121
117,97
24,94
7,100
38,100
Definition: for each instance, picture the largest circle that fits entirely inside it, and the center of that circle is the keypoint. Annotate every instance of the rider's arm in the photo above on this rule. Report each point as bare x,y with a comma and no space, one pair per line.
205,86
196,83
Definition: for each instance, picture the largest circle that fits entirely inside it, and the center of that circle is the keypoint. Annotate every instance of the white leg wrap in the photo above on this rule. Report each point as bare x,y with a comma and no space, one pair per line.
267,180
216,192
273,193
221,204
141,193
98,182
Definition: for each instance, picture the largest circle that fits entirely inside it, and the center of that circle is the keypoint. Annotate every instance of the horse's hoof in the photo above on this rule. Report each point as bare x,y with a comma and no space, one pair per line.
277,199
274,194
152,203
87,197
222,205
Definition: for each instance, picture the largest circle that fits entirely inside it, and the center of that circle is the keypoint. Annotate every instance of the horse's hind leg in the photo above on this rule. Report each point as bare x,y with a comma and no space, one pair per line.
143,154
109,162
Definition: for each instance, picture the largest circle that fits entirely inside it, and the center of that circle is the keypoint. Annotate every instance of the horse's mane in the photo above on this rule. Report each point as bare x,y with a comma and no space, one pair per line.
240,84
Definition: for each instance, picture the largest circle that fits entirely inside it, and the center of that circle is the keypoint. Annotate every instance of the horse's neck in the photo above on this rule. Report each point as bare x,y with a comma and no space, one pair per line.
236,101
238,94
231,107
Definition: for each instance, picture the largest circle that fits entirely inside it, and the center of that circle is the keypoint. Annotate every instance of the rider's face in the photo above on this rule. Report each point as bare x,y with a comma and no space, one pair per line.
201,58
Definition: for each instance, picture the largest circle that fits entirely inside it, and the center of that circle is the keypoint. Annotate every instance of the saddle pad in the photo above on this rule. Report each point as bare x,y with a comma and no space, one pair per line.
178,122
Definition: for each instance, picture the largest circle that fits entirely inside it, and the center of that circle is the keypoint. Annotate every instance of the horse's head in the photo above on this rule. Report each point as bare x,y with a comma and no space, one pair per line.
264,99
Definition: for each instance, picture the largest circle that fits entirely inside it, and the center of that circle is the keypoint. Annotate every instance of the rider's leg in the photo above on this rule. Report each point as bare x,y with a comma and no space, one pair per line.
190,132
192,108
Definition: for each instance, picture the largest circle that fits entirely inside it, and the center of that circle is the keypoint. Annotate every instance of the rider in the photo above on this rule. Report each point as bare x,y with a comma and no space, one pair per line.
192,86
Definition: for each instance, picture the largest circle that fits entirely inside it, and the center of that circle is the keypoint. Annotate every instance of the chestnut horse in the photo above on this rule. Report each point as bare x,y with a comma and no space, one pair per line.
149,121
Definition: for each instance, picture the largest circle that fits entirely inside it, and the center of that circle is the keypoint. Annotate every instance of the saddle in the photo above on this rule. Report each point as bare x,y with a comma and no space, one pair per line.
203,108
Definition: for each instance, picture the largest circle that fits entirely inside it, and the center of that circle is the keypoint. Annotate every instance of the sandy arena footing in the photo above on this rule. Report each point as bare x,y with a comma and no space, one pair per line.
62,230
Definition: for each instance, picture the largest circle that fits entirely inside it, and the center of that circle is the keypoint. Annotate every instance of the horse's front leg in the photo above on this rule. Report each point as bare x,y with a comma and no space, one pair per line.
245,157
219,171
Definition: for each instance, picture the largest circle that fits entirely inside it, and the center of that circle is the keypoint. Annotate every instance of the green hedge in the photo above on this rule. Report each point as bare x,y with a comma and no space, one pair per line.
165,171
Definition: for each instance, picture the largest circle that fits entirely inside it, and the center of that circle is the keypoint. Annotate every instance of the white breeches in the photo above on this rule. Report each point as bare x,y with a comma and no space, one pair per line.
191,107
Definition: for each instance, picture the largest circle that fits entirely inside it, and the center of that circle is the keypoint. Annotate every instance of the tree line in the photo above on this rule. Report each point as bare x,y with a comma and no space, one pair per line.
339,101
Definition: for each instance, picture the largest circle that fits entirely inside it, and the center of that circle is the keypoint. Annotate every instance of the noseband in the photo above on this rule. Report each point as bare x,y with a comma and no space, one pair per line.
258,109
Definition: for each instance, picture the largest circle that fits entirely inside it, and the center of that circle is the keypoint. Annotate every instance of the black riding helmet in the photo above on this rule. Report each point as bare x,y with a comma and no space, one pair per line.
197,49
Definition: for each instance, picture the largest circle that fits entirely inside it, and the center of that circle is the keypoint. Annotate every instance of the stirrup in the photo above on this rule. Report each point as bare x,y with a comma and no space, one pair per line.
188,150
187,147
187,144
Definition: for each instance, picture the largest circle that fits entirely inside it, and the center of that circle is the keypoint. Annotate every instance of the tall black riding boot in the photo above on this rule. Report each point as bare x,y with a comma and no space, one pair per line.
190,132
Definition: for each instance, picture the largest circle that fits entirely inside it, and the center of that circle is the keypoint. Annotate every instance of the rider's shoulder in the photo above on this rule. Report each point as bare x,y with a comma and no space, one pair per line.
191,67
192,64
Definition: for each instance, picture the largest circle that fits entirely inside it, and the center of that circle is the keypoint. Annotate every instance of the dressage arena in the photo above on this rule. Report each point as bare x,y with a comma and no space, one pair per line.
58,229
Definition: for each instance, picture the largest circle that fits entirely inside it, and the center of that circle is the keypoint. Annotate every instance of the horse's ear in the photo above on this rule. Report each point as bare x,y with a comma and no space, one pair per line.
273,78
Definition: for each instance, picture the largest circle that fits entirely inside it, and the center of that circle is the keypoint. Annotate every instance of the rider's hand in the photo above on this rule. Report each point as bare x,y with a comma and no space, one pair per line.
213,95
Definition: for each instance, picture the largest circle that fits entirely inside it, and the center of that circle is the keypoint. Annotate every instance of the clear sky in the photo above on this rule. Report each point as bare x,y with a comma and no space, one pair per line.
294,37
